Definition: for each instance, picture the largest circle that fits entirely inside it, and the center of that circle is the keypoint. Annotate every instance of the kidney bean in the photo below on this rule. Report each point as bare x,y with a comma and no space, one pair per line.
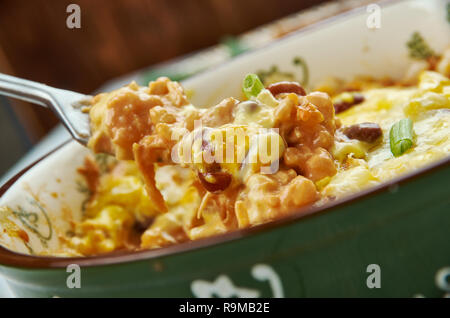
286,87
368,132
342,105
221,180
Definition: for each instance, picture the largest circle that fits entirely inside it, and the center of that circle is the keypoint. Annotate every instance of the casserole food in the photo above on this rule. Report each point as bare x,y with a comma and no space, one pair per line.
401,225
173,194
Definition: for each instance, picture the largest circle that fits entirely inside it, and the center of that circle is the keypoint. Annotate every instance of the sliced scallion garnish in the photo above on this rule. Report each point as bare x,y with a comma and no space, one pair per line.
401,136
252,85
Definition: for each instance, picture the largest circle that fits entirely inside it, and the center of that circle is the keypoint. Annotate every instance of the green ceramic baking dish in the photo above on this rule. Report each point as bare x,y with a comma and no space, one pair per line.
391,240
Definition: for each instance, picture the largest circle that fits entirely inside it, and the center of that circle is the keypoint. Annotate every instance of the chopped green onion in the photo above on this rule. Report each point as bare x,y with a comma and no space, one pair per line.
419,48
401,136
252,85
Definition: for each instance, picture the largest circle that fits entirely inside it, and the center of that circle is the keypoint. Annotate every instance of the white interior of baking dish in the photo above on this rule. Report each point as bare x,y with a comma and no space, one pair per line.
343,46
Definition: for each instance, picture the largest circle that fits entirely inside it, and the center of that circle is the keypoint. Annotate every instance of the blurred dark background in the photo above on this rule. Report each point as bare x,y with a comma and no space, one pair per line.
115,38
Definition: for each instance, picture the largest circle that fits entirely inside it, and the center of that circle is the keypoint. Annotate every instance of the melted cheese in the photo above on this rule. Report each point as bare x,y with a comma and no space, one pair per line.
427,105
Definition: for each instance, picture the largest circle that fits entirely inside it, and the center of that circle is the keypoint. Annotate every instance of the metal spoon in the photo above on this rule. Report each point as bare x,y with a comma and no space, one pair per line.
67,105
